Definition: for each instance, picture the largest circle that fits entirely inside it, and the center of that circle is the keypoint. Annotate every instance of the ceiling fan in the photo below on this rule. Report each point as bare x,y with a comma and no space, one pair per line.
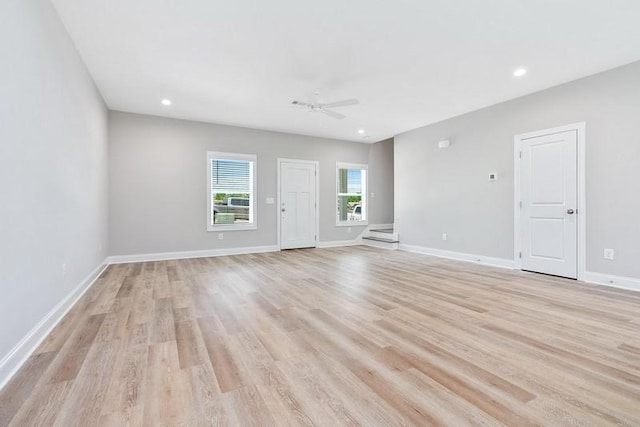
318,107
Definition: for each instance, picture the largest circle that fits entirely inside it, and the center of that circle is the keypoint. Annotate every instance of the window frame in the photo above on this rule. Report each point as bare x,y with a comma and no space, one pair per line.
365,189
253,225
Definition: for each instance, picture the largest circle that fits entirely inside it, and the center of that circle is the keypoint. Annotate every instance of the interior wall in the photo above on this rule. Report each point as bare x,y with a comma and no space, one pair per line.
447,190
53,179
381,182
157,187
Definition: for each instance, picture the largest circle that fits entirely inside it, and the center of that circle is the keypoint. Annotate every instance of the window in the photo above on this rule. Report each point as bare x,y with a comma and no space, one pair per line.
352,194
231,191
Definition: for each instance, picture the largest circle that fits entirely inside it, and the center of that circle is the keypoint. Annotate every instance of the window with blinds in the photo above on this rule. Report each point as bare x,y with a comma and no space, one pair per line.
351,183
231,192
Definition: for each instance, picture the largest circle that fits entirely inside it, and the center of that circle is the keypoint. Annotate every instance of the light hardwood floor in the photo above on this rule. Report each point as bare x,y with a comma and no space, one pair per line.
345,336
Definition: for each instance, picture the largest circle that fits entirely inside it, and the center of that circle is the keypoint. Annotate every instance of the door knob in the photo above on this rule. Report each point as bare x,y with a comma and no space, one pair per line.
570,211
283,209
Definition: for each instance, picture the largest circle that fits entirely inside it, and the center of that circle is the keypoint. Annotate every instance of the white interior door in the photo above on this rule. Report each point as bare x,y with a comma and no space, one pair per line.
297,205
548,179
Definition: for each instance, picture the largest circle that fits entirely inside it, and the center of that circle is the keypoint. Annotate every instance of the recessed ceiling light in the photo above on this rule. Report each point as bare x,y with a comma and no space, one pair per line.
166,102
519,72
361,131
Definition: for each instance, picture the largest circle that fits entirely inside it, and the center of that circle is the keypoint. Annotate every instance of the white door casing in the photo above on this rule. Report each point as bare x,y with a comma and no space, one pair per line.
297,204
549,215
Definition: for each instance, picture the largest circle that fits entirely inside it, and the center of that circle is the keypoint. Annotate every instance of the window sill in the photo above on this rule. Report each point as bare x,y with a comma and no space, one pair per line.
231,227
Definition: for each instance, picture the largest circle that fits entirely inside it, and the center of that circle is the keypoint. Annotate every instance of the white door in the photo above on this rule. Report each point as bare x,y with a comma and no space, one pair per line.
548,177
297,205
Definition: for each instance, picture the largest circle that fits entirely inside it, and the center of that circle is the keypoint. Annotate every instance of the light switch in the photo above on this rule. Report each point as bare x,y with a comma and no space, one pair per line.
270,200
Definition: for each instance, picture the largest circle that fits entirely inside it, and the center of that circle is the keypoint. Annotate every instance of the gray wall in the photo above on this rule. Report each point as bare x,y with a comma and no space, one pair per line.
53,179
381,182
447,190
157,187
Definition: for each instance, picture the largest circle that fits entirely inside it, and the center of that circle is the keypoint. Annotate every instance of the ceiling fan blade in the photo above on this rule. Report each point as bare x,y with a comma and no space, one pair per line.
344,103
332,114
302,104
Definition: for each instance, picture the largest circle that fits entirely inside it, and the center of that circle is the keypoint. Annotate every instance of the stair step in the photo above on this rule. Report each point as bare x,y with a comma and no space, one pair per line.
384,230
383,235
380,239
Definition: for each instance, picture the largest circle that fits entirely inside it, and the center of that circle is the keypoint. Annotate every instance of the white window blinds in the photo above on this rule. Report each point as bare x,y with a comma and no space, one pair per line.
231,176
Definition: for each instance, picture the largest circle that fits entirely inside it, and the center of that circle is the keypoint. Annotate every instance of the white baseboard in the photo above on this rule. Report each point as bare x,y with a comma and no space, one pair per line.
162,256
13,361
622,282
611,280
460,256
339,243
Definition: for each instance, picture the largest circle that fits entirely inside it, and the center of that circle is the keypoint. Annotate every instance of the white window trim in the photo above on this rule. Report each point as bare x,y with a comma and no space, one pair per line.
232,156
365,199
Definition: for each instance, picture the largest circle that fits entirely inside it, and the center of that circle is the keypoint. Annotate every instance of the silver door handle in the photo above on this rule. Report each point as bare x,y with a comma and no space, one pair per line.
283,209
570,211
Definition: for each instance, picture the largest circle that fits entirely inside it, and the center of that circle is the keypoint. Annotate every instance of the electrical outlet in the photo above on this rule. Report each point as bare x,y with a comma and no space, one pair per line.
64,269
444,236
373,195
608,254
220,236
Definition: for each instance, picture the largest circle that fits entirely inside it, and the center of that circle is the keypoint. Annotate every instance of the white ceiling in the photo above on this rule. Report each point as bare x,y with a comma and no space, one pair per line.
409,62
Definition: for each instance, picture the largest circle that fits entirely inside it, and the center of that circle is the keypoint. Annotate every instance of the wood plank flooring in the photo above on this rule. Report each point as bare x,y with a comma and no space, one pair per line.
327,337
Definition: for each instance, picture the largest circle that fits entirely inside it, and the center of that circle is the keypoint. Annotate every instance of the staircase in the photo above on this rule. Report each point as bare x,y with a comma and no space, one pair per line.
384,238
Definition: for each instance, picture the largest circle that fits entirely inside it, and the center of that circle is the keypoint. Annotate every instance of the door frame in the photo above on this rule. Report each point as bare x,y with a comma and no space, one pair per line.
279,200
581,213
